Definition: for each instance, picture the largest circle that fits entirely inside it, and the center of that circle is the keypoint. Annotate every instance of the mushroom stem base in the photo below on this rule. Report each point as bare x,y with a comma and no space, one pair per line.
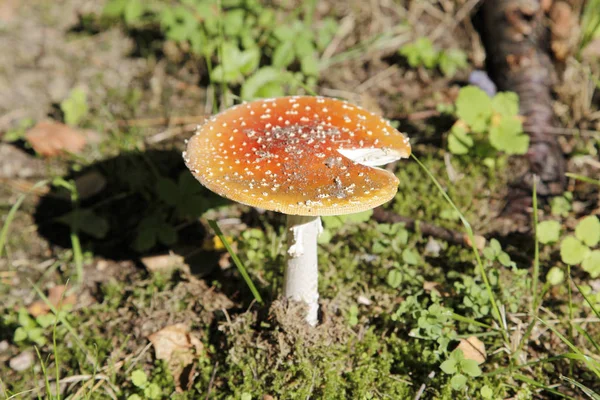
300,281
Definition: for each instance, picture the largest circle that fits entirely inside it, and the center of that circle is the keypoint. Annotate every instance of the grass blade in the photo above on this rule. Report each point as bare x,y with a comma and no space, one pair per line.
589,392
66,323
532,382
238,263
13,212
467,225
583,178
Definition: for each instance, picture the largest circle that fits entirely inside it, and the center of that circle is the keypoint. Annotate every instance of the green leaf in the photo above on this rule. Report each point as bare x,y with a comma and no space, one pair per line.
410,257
338,221
233,22
324,237
86,221
588,230
134,397
19,335
144,240
139,378
283,55
304,46
114,8
420,53
167,235
506,104
508,136
458,382
591,264
548,231
449,366
36,335
470,367
246,396
75,107
486,393
452,60
46,320
309,65
168,191
572,251
504,259
249,60
25,320
153,392
474,107
459,141
133,11
394,278
266,82
555,276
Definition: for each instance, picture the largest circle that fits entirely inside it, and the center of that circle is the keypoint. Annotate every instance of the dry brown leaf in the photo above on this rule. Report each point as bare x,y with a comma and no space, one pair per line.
163,263
178,347
473,349
56,297
51,138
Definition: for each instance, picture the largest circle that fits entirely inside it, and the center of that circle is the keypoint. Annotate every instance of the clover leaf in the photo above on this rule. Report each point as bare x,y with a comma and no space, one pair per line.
508,136
474,107
459,141
572,251
591,263
548,231
506,104
588,231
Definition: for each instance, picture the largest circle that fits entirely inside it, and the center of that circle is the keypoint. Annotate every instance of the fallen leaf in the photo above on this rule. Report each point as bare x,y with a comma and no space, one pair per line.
178,347
163,263
56,297
51,138
429,286
473,349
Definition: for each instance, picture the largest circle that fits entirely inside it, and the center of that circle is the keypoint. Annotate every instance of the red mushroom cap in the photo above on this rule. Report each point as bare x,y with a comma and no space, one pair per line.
290,155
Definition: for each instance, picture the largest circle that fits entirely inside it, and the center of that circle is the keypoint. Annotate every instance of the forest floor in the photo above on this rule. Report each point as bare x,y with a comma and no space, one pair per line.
113,285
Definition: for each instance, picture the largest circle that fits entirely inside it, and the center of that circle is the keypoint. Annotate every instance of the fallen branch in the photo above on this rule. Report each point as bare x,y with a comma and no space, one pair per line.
427,229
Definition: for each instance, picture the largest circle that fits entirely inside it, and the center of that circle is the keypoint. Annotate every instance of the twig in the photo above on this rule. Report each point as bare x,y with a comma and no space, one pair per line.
463,13
382,215
212,380
424,385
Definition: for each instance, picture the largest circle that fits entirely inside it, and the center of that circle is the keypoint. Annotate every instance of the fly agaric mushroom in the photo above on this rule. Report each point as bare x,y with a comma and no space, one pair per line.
302,156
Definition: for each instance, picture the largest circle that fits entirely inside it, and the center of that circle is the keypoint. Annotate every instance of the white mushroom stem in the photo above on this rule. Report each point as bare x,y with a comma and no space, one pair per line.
301,278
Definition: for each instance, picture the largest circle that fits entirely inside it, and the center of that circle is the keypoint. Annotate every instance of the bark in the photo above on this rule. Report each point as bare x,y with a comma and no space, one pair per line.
518,54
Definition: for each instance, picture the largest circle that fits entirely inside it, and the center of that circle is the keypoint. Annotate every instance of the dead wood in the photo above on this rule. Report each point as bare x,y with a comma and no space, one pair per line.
517,43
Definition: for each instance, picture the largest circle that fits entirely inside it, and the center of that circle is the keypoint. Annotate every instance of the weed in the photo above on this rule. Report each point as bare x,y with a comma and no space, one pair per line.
422,53
242,43
487,125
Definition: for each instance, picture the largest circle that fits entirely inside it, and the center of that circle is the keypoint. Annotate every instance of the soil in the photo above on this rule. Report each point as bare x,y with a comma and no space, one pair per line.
49,49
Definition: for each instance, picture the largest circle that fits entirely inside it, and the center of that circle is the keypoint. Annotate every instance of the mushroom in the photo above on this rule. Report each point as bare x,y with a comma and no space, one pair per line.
303,156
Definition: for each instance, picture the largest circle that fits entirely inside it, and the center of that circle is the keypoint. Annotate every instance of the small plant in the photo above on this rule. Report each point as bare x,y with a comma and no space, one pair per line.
241,41
31,329
487,125
75,107
577,249
460,368
149,390
422,53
